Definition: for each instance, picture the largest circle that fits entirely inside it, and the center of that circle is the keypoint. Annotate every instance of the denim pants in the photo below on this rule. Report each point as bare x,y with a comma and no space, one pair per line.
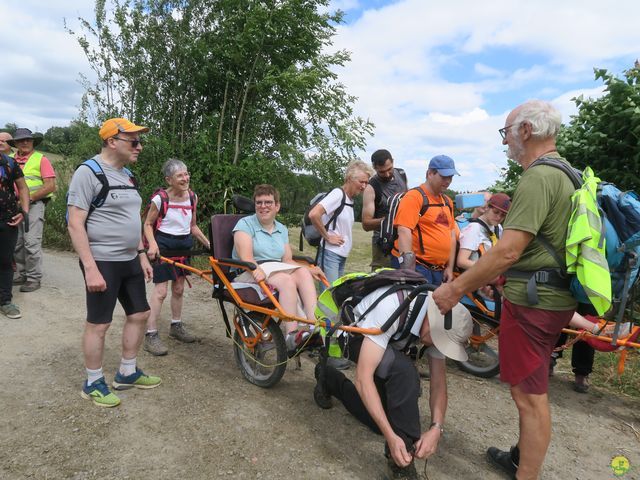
434,277
331,264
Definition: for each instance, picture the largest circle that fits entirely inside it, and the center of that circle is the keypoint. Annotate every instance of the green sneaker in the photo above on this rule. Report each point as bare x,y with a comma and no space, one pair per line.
10,311
99,392
137,380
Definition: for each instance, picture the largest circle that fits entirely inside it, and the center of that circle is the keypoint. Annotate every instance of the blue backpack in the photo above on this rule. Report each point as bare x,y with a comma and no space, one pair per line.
620,212
7,164
99,199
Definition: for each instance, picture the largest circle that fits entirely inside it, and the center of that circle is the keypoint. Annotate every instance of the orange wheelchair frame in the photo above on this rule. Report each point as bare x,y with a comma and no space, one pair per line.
259,345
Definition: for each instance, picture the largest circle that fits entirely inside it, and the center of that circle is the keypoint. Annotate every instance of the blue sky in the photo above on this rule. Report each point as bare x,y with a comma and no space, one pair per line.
434,77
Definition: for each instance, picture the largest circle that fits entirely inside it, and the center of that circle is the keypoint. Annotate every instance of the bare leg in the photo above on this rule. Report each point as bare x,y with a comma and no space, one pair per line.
157,298
535,432
177,296
287,295
133,333
306,290
93,344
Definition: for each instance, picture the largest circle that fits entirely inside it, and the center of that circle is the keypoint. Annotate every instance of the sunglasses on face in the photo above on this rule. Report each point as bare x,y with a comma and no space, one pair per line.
134,143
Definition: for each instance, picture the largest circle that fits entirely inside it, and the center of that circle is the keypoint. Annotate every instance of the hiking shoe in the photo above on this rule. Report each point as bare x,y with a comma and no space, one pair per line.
99,392
137,380
320,394
581,383
394,471
154,345
297,340
178,332
30,286
19,280
503,460
10,310
339,363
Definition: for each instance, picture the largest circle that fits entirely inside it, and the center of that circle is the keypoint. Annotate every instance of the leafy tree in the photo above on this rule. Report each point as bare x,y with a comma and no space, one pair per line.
604,134
243,90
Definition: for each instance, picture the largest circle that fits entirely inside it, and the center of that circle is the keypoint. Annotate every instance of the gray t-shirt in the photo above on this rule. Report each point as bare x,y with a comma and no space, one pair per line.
113,229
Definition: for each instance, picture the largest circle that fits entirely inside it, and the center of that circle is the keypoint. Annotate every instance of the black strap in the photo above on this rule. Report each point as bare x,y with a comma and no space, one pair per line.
425,207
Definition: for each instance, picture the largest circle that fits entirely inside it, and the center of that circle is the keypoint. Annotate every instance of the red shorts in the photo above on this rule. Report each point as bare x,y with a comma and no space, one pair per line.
526,340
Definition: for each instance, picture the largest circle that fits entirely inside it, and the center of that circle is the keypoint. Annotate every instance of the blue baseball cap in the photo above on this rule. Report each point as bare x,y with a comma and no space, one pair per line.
444,165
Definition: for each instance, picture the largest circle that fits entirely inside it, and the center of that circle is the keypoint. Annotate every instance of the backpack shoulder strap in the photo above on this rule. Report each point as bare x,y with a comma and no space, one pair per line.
97,170
164,203
403,175
573,174
133,178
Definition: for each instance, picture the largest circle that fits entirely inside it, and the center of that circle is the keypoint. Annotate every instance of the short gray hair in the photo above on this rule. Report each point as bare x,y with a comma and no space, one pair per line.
357,166
173,166
544,118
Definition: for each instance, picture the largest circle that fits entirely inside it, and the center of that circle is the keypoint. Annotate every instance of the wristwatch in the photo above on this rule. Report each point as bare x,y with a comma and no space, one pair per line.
439,425
141,251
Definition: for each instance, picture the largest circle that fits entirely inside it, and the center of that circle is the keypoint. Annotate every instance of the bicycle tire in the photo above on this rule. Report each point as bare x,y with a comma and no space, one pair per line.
265,364
483,362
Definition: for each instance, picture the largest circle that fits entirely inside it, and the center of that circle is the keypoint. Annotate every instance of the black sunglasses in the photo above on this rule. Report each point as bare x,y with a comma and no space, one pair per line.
134,143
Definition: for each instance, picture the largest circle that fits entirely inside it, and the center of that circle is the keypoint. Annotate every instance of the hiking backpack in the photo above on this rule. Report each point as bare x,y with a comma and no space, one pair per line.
308,230
389,233
620,214
164,208
101,196
338,302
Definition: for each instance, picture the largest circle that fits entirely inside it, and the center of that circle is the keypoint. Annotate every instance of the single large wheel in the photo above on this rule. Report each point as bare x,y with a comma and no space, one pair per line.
264,363
483,356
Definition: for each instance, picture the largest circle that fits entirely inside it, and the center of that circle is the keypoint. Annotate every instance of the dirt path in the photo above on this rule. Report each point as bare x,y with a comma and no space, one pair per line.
206,422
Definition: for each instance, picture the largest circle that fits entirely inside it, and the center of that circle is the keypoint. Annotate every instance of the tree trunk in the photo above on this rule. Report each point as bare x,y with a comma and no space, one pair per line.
222,114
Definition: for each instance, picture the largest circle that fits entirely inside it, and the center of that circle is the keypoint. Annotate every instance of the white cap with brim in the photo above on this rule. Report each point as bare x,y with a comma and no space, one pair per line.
453,342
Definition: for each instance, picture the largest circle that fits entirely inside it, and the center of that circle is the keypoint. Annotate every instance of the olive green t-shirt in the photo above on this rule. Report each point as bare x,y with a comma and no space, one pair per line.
541,204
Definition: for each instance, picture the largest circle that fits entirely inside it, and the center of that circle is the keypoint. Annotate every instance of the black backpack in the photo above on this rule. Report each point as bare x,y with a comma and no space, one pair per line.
389,233
308,231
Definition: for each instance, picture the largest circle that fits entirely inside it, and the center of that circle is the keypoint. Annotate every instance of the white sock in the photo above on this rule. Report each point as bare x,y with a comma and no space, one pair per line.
175,321
93,375
155,330
128,366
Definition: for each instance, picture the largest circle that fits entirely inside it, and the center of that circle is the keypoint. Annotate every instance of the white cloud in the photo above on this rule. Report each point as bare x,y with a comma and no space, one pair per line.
401,54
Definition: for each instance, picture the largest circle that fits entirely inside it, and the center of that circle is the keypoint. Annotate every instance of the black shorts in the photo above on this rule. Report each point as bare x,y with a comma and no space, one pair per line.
163,272
125,283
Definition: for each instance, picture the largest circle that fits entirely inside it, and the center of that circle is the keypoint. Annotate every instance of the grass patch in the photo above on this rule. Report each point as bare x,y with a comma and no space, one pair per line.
605,373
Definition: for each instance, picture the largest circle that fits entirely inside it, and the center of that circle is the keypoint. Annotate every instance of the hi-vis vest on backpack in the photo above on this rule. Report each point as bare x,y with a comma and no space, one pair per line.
32,173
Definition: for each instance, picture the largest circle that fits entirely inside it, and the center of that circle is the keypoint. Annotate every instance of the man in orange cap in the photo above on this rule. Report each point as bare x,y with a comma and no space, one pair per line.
104,225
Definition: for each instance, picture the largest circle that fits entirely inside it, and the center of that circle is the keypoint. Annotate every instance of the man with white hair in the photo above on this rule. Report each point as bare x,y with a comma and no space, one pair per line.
537,302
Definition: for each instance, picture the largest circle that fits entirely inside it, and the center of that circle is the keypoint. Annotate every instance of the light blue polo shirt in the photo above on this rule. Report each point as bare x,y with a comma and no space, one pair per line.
266,246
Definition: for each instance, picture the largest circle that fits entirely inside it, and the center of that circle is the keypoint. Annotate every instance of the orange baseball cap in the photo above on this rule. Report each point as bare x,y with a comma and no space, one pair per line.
113,126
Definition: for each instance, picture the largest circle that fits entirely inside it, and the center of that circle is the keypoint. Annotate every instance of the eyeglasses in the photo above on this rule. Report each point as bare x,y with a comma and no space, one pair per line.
266,203
503,131
134,143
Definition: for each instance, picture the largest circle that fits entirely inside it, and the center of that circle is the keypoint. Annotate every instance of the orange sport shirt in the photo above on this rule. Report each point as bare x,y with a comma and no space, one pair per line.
436,226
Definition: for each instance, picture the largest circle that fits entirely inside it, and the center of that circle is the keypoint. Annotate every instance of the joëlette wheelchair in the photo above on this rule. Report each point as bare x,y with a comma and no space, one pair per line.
483,344
254,325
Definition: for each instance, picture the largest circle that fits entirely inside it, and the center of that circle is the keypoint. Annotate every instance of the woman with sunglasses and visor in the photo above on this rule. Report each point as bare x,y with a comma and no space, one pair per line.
262,240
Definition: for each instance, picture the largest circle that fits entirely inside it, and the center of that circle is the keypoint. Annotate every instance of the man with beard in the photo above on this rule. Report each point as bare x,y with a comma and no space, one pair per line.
537,302
383,185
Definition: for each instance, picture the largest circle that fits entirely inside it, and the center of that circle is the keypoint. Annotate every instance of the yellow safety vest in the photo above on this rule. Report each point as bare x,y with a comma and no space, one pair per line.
32,174
585,247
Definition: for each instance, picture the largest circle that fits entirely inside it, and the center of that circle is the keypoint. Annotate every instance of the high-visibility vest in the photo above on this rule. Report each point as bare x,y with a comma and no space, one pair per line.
32,174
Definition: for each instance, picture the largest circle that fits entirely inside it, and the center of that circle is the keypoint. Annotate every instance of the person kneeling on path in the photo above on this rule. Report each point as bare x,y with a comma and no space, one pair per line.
387,385
170,225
